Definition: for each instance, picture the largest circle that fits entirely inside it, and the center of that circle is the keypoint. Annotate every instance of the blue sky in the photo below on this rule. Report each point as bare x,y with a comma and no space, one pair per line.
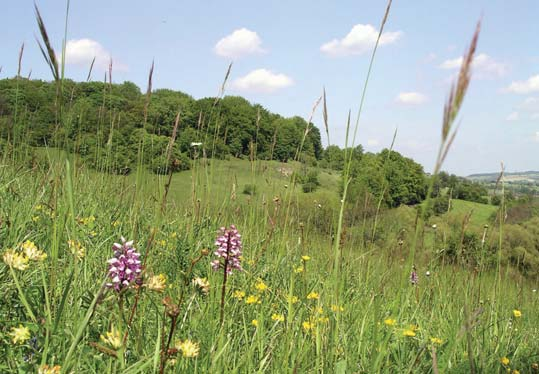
284,53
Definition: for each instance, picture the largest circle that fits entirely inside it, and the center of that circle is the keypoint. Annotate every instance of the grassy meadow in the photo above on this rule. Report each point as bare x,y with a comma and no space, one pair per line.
320,289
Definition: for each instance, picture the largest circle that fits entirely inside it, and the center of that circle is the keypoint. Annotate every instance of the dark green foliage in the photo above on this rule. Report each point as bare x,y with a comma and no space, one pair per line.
388,175
308,179
102,119
249,189
438,206
459,188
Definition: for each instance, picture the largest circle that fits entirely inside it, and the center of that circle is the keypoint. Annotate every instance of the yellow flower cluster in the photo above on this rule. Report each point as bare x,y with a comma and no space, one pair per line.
238,294
76,248
19,259
313,296
46,369
32,252
19,335
260,286
202,284
16,260
157,283
253,299
390,322
188,348
86,221
112,338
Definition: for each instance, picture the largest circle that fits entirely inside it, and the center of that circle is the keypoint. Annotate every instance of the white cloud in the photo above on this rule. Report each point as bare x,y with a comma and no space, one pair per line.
360,39
483,65
373,142
514,116
262,80
536,137
411,98
82,51
524,87
240,43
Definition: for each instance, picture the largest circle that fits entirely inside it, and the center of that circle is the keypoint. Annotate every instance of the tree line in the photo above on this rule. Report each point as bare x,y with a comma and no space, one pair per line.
95,115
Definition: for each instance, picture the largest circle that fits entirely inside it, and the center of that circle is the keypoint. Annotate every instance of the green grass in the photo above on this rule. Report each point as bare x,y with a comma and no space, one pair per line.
481,214
315,336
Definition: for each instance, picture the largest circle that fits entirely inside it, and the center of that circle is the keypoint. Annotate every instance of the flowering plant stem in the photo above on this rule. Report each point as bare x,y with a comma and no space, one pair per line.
21,295
223,287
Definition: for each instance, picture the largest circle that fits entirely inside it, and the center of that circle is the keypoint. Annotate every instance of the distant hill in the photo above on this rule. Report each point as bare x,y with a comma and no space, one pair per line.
519,176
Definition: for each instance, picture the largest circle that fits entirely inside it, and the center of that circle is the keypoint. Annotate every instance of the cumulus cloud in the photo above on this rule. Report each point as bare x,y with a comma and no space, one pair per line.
240,43
525,87
483,66
411,98
359,40
262,81
81,52
514,116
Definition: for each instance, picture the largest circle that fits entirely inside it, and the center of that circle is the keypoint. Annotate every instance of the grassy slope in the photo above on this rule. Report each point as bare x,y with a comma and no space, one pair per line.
316,335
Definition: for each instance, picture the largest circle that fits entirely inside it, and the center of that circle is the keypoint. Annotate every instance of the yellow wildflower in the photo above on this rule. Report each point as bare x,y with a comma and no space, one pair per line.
305,258
277,317
414,327
515,371
253,299
238,294
436,340
261,286
20,334
112,338
32,252
504,360
188,348
409,333
390,322
173,235
313,296
307,325
202,284
298,270
157,283
116,223
292,299
337,308
46,369
35,218
517,313
77,249
254,322
15,260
